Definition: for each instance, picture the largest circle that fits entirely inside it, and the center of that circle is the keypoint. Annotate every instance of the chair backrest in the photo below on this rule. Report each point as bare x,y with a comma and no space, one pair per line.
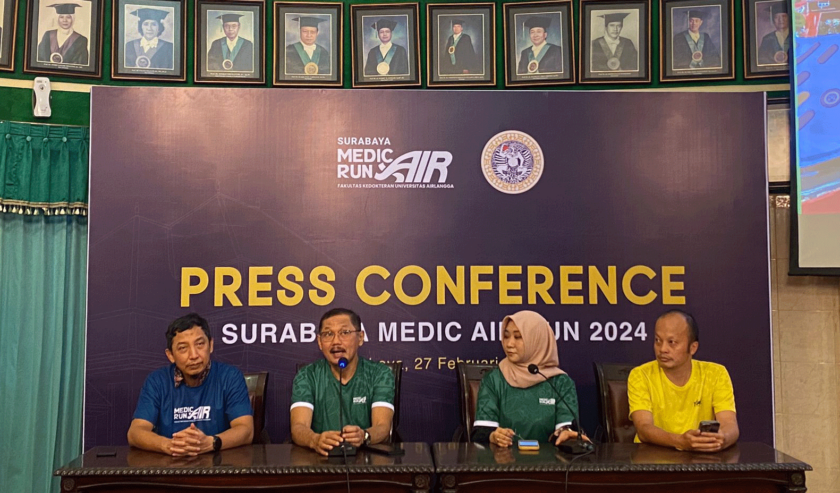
396,368
257,383
613,405
469,380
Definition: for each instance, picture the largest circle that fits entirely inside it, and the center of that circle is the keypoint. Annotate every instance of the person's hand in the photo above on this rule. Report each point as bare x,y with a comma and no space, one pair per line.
353,435
502,437
567,434
190,441
695,441
326,441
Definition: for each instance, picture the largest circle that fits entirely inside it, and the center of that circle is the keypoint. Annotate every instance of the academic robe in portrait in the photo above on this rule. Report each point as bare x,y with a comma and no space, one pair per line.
398,60
463,59
161,57
770,46
242,55
684,47
295,64
74,51
551,61
625,52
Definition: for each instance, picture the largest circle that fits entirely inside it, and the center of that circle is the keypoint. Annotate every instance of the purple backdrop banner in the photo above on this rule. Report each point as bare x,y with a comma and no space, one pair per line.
433,215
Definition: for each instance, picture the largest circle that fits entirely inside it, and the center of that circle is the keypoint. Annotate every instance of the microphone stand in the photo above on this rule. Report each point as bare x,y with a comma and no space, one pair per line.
579,447
343,449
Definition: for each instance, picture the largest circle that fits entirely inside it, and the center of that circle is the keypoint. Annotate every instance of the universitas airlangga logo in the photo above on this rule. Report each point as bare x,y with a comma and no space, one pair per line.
512,162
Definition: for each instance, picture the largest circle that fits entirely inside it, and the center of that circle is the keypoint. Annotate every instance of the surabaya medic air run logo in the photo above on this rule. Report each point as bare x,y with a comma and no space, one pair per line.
512,162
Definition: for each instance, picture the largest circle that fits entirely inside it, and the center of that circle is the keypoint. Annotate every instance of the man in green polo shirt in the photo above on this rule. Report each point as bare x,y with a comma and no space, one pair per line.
367,390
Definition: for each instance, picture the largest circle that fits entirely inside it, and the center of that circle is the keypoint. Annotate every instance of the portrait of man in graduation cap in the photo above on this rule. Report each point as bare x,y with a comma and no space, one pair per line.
457,55
306,56
613,52
775,46
231,53
541,56
149,51
64,45
693,48
387,58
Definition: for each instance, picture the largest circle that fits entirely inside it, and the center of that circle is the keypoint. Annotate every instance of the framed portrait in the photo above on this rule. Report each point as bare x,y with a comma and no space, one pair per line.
461,44
696,40
64,37
767,38
148,40
539,45
614,41
308,44
385,42
229,41
8,31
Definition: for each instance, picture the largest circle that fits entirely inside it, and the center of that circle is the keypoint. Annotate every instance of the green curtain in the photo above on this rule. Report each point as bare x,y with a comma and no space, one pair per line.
43,169
43,258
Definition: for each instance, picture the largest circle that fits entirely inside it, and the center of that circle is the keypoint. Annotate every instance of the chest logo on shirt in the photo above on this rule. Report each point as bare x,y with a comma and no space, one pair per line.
360,400
697,403
200,413
546,402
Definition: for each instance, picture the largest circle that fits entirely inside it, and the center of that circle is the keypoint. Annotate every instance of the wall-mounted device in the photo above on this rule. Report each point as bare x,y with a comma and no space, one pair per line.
41,98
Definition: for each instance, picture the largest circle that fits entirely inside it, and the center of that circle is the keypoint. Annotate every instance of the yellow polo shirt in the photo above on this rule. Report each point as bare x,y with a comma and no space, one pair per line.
679,409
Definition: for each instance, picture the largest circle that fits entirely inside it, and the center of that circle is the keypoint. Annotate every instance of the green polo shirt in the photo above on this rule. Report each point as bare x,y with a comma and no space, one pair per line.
316,387
533,413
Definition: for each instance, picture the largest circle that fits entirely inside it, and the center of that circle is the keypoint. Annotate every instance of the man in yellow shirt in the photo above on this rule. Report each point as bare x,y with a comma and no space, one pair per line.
672,394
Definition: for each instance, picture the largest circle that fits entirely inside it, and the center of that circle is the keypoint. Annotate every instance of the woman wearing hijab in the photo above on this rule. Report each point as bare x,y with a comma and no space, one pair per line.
515,404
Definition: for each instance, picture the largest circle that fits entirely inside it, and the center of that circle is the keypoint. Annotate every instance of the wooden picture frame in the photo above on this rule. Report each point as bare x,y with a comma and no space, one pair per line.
64,39
375,25
461,44
712,55
148,40
614,41
221,23
303,27
542,24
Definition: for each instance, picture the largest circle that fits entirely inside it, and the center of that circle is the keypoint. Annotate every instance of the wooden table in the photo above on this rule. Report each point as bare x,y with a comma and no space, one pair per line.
628,468
265,468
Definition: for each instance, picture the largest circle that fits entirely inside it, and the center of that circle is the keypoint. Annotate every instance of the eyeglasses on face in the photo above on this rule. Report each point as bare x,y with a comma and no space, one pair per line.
329,335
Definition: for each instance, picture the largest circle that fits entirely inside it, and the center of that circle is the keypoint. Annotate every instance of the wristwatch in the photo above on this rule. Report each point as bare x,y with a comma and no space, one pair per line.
217,443
367,438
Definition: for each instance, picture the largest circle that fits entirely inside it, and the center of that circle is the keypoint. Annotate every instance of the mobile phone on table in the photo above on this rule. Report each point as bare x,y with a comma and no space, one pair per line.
710,426
528,445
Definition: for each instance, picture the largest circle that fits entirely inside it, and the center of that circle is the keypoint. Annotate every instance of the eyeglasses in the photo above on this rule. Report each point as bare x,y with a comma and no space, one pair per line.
329,335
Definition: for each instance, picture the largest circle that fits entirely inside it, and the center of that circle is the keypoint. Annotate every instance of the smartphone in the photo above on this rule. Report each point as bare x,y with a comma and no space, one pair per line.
528,445
106,452
709,426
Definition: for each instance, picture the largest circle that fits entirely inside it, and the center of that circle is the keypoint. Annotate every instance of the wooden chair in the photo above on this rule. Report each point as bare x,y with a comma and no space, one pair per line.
469,380
613,405
396,370
257,383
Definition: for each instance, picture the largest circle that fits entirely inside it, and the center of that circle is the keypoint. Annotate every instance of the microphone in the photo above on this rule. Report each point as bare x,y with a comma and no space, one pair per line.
343,449
580,446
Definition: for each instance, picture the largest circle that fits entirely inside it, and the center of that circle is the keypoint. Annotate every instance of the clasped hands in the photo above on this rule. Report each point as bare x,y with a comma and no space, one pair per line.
188,442
326,441
503,437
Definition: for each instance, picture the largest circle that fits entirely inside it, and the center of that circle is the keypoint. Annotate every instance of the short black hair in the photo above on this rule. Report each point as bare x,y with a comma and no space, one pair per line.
185,323
354,317
693,329
160,25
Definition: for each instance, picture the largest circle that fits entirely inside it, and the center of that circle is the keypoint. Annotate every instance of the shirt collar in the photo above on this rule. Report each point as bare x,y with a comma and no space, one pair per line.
148,45
695,37
309,49
385,48
179,377
231,44
537,48
612,43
